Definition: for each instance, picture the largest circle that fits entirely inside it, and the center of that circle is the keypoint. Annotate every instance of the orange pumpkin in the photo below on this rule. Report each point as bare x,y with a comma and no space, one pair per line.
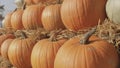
51,18
19,52
16,19
7,20
4,37
44,52
87,53
32,16
82,14
4,48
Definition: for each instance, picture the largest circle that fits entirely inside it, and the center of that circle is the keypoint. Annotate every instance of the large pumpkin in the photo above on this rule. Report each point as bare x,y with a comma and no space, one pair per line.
4,37
16,19
4,48
51,18
7,20
82,14
113,10
87,53
19,52
44,52
32,16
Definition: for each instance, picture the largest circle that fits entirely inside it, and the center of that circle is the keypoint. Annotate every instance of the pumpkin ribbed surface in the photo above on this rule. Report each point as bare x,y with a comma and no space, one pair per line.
96,54
51,18
82,14
32,17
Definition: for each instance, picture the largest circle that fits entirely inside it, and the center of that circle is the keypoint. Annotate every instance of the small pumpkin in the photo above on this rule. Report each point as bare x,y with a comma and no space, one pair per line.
7,20
44,52
4,37
19,51
32,16
87,53
4,48
82,14
16,19
113,10
51,18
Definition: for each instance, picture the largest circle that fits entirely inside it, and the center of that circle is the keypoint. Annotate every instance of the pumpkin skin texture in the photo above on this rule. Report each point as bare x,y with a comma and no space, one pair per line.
44,52
113,10
4,37
82,14
16,20
7,21
96,54
32,17
19,52
4,48
51,18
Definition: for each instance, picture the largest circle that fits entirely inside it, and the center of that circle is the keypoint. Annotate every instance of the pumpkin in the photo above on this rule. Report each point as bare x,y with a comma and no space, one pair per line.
51,18
7,20
19,51
44,52
4,48
19,3
88,52
113,10
82,14
32,16
16,19
28,2
4,37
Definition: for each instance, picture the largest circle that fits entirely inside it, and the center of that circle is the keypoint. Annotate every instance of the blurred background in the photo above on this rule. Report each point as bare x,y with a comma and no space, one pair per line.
6,6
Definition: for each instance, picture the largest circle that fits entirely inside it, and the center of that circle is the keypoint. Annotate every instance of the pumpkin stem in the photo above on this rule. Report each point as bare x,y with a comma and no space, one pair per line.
24,6
23,34
86,37
54,35
15,9
58,1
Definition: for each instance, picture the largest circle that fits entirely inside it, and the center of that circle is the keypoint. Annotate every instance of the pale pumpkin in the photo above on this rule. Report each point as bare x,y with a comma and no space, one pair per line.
51,18
16,19
4,48
19,3
44,52
7,20
82,14
32,16
87,53
19,52
113,10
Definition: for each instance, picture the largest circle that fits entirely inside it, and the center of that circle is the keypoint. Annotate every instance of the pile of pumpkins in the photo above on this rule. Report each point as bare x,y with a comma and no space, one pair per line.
87,52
